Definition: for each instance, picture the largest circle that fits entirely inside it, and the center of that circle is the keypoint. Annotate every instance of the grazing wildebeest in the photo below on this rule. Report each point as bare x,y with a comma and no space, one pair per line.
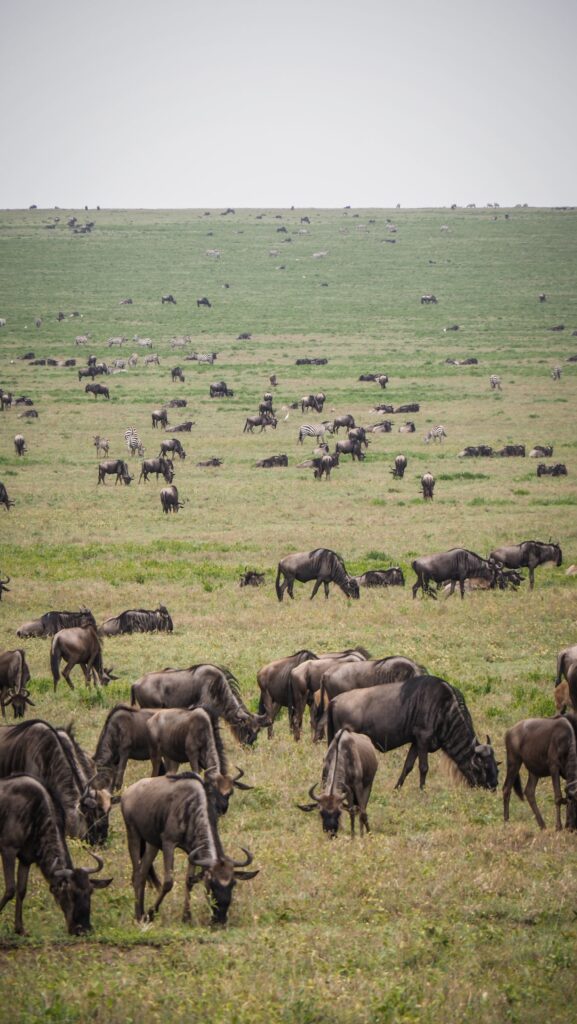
428,486
400,466
37,747
20,444
274,680
381,578
349,768
559,469
175,813
347,421
322,565
79,645
160,416
14,676
314,401
212,686
546,747
114,467
96,390
177,374
271,461
32,832
102,444
426,300
542,297
528,555
350,447
4,499
51,622
138,620
173,447
358,434
160,467
455,564
123,737
263,421
169,499
340,677
178,735
204,302
220,389
541,451
426,712
168,298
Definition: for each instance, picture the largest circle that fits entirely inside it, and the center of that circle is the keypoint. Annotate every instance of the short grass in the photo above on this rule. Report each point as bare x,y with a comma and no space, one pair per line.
442,913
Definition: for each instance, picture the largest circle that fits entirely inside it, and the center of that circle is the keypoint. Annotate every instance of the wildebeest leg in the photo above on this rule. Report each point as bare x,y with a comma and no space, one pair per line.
168,881
21,886
271,710
156,760
555,779
66,673
8,862
462,586
408,765
530,794
188,884
316,587
418,585
531,576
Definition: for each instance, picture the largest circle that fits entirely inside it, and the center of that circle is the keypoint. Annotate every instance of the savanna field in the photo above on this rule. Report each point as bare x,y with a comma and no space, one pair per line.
442,913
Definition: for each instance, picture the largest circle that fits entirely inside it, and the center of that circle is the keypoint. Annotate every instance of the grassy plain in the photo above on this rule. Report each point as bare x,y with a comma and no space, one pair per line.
442,913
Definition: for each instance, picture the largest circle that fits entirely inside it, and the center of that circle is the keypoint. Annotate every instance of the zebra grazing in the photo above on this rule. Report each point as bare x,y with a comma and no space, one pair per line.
435,434
317,430
556,373
133,442
495,382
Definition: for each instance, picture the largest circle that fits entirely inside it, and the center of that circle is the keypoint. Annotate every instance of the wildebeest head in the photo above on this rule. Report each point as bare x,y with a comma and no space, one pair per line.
246,727
330,807
106,676
220,878
72,889
95,805
485,766
19,699
220,789
352,588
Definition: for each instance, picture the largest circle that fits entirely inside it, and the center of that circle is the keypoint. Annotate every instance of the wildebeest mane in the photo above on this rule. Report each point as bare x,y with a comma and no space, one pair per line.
54,621
218,742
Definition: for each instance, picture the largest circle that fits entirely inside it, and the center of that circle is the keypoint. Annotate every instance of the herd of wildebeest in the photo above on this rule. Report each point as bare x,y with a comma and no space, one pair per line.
51,788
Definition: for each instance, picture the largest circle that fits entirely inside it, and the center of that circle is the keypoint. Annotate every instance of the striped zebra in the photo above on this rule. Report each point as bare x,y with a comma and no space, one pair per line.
133,442
435,434
317,430
495,382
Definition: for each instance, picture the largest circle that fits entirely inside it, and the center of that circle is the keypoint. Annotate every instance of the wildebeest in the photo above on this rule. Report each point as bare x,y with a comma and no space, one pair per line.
474,451
322,565
315,402
350,447
400,466
32,832
566,659
177,735
251,578
340,677
138,620
213,686
37,747
159,416
512,450
384,427
169,499
263,421
305,681
51,622
271,461
4,589
426,712
428,486
455,564
204,302
177,374
556,373
347,421
102,444
426,300
4,499
123,737
358,434
160,467
504,579
14,676
528,555
20,444
96,390
220,389
79,645
174,813
407,428
541,451
349,768
172,447
168,298
213,461
408,407
186,427
114,467
30,414
559,469
177,403
546,747
274,681
392,577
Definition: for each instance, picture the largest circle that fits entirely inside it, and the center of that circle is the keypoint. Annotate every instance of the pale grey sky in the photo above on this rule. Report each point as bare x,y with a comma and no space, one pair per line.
210,103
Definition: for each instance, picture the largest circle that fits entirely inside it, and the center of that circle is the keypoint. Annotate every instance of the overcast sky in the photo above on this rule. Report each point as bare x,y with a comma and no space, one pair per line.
211,103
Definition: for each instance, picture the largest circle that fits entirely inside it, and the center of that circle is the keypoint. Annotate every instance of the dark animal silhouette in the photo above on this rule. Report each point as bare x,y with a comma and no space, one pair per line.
528,555
546,747
349,768
322,565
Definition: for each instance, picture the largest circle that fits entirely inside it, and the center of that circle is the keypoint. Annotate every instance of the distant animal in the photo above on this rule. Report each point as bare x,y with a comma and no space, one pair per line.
245,336
177,403
541,451
220,390
435,434
138,620
114,467
29,811
116,342
102,444
14,678
272,461
322,565
96,390
559,469
426,300
169,499
160,466
177,374
529,554
473,451
546,747
381,578
212,686
168,298
350,447
311,362
407,428
542,297
556,373
159,416
175,813
512,450
172,447
358,434
214,461
495,382
317,430
30,414
557,328
4,499
453,327
4,589
251,578
20,445
125,302
399,467
457,564
183,427
384,427
133,442
263,421
424,711
427,486
203,302
349,769
51,622
152,360
79,645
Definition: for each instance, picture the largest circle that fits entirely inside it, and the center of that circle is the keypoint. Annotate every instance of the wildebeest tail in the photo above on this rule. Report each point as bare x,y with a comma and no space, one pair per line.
518,787
277,582
133,698
55,660
261,705
151,877
330,724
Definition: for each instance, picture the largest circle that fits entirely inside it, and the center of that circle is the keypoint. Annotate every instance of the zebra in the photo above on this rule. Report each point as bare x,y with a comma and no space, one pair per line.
495,382
314,430
435,434
133,442
556,373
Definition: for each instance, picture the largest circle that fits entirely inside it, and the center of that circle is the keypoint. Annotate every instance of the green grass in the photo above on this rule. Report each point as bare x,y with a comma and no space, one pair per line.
442,913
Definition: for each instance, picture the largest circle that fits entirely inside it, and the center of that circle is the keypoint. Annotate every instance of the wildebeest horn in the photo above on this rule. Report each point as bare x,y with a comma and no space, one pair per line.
312,793
240,785
243,863
63,873
99,864
488,739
